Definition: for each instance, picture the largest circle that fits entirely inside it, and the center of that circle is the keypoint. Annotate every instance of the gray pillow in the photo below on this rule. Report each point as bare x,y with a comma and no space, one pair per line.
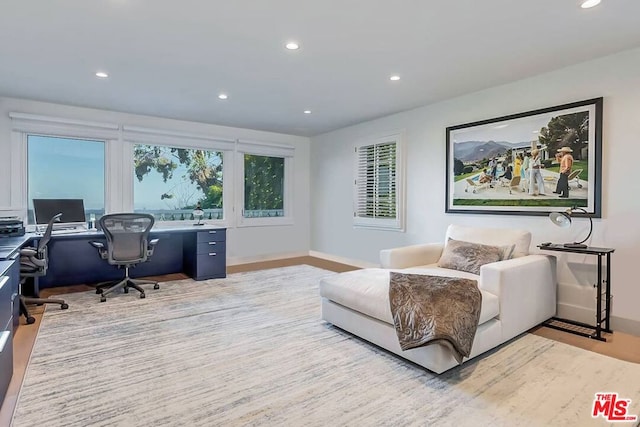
469,257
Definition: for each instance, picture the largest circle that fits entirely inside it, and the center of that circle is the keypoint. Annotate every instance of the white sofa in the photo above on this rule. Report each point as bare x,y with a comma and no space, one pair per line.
517,294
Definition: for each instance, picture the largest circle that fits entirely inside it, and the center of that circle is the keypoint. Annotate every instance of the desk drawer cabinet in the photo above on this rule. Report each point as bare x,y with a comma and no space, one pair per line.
6,336
6,361
14,279
205,255
6,305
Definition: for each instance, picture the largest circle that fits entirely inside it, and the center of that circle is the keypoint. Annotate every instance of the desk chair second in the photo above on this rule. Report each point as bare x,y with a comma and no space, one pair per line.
34,262
128,244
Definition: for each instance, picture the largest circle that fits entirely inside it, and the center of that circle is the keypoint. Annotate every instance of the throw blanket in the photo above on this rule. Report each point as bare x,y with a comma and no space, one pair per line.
428,309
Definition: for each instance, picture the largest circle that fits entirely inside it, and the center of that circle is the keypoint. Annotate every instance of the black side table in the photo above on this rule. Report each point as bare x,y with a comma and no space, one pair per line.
602,313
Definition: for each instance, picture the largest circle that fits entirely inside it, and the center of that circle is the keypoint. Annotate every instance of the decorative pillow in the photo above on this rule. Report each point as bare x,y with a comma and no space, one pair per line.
469,257
507,251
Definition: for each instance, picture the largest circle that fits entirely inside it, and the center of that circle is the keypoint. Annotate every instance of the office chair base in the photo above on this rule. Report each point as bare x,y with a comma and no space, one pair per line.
39,301
123,284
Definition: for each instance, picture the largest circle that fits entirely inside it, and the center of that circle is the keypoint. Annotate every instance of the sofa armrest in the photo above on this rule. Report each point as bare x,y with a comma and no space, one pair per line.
411,256
526,287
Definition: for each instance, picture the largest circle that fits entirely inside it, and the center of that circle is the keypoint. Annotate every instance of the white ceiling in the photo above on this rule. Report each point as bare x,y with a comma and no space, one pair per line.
171,58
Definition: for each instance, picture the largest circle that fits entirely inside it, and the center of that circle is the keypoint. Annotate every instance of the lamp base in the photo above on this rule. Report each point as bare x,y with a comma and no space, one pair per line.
575,245
199,223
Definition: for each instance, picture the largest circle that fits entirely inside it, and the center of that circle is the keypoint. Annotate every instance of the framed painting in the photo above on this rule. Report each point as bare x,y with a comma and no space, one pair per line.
530,163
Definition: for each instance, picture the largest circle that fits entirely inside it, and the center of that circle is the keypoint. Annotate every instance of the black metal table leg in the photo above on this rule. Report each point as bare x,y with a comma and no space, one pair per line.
598,333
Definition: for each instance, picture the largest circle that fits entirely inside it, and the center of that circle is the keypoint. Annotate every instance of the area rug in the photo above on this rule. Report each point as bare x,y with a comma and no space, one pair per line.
251,350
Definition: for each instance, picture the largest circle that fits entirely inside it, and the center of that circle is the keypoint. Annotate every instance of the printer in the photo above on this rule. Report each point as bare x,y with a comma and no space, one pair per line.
11,226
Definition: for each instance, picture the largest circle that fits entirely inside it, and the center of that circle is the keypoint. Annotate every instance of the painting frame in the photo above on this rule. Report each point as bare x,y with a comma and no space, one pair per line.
485,156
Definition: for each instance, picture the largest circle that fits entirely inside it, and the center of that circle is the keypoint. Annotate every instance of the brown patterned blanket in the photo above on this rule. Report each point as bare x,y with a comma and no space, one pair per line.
429,309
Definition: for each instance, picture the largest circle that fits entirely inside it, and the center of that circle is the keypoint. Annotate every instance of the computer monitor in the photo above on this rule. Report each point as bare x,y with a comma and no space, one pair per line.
72,210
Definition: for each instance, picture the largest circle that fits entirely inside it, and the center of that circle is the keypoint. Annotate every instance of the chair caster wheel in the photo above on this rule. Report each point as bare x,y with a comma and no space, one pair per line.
142,296
103,299
31,320
156,286
64,306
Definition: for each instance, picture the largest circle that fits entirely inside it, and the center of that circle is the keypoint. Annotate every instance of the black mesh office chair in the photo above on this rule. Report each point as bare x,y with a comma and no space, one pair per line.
128,244
34,263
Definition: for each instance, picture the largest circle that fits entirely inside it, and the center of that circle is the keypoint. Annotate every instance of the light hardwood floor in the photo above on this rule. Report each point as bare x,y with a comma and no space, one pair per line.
618,345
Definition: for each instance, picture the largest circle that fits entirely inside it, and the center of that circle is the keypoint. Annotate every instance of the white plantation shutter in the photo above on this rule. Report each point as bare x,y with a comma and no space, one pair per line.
377,190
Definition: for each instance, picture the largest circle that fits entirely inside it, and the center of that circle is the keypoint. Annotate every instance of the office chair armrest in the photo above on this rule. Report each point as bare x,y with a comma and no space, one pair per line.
97,245
28,252
151,245
102,249
33,262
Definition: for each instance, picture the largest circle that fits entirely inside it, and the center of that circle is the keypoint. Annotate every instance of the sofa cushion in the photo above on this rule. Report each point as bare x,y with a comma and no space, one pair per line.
492,236
367,290
469,256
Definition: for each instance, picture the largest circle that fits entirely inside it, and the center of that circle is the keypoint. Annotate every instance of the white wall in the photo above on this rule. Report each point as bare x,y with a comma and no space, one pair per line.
244,244
616,78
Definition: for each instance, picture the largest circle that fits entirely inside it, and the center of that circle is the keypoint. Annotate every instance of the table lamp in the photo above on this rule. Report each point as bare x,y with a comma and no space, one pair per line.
563,219
199,214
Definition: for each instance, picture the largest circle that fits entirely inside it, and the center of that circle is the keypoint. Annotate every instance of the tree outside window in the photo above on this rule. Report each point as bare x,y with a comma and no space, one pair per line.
263,186
170,181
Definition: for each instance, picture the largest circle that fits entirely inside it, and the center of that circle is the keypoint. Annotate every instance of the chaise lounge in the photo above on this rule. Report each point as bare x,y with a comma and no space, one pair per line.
518,293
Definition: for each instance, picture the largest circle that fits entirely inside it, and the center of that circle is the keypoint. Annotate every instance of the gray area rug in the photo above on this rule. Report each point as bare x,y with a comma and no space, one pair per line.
251,350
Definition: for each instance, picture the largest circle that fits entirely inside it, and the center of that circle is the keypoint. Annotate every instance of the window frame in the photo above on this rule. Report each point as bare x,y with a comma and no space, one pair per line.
136,135
390,224
107,174
23,125
119,140
268,150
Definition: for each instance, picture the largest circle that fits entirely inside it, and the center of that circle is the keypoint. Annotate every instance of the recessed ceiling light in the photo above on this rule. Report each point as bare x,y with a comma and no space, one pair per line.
394,78
102,75
223,96
586,4
307,111
292,46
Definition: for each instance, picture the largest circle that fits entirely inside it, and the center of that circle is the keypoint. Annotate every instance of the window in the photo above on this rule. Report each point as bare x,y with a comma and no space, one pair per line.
169,182
263,186
65,168
265,178
377,184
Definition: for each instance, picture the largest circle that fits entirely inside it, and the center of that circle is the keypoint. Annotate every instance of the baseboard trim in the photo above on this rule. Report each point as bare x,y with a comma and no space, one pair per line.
289,255
265,258
587,315
342,260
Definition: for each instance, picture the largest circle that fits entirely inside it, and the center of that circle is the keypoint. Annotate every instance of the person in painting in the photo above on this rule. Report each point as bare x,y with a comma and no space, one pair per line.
485,178
524,171
536,182
494,171
492,166
517,164
508,173
566,164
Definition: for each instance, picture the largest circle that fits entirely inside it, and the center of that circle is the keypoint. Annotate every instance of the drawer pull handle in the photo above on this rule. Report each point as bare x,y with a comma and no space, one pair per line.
212,231
212,243
212,254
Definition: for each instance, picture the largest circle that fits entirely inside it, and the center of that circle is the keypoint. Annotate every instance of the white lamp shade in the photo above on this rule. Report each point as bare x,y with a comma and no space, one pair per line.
561,219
